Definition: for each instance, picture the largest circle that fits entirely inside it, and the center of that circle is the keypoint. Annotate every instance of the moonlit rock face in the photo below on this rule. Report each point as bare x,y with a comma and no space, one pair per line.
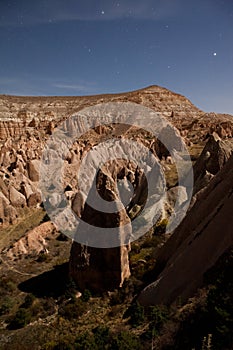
196,244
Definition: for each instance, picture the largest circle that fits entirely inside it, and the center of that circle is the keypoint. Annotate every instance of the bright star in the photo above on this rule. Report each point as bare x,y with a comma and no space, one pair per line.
215,54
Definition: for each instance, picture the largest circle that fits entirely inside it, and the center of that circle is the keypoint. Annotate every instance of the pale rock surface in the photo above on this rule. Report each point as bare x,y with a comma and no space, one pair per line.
33,167
17,199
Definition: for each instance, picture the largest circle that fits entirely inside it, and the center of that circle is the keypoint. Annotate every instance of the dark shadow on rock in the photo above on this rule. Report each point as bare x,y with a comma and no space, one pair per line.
49,284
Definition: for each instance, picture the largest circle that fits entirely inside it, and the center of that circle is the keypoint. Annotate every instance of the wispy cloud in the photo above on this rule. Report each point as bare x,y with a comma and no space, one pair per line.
26,86
21,86
53,11
75,87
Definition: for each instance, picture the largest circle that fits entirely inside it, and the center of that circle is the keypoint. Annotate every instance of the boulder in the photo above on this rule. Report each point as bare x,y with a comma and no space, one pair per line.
8,213
17,199
34,199
33,168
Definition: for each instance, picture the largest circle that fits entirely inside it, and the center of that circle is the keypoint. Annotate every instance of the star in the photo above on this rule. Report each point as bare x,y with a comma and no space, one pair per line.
102,12
215,54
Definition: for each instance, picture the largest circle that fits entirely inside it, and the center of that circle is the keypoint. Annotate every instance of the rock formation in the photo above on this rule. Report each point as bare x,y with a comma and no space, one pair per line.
203,236
101,269
26,123
33,243
214,155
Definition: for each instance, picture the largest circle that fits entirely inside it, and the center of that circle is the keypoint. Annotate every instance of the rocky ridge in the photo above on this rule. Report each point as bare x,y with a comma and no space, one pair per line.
37,115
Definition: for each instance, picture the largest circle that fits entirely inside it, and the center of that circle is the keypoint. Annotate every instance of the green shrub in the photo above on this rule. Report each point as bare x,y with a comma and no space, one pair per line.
73,310
85,341
125,341
63,345
160,227
6,305
101,336
70,290
28,301
151,242
86,295
21,319
129,289
136,314
157,316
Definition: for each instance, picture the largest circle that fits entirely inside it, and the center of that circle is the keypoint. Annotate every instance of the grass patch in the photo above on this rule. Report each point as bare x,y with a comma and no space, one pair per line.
29,219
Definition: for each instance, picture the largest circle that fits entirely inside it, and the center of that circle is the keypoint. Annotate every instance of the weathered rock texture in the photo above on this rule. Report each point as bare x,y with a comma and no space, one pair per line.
203,236
34,242
101,269
39,115
27,122
214,155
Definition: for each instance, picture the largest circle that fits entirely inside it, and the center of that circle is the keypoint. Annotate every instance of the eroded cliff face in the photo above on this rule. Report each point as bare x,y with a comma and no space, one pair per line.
196,245
213,157
26,123
37,115
99,268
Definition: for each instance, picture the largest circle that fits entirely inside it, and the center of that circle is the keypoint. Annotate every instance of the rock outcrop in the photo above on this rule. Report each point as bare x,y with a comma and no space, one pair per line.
203,236
101,269
214,155
33,243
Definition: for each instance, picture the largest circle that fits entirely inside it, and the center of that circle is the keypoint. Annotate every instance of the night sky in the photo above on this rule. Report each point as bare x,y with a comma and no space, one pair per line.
58,47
